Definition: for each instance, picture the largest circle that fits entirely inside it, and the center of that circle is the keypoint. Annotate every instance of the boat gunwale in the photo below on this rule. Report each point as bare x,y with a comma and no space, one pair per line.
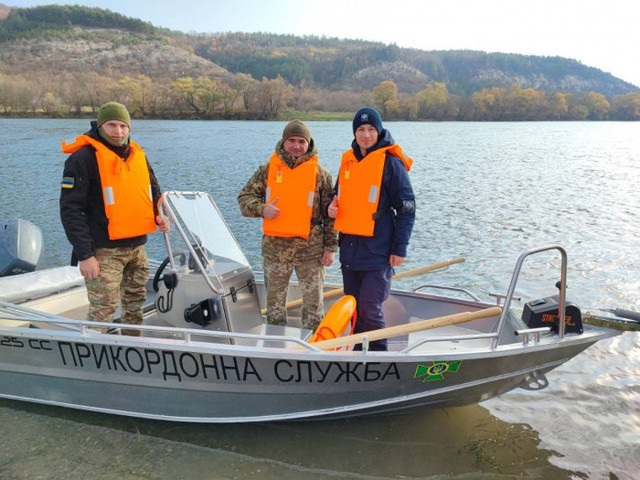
181,338
547,342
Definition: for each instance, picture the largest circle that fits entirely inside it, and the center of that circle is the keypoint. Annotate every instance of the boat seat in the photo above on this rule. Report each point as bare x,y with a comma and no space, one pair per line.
337,320
38,284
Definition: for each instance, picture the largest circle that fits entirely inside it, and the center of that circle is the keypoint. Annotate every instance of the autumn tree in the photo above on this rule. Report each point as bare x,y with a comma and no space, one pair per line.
557,107
8,92
490,103
51,105
433,101
464,107
525,104
247,88
73,93
162,100
200,95
597,106
626,107
138,91
270,97
228,97
576,107
207,95
385,98
344,101
99,89
408,109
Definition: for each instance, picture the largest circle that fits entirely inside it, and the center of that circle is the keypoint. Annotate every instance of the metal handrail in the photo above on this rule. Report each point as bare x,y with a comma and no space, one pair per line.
447,338
512,287
185,333
444,287
528,332
20,313
499,296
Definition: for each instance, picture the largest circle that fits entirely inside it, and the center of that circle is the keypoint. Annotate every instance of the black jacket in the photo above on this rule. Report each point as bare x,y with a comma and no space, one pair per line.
82,206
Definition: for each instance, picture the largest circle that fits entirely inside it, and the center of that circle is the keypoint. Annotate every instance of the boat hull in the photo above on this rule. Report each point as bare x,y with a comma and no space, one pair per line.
197,382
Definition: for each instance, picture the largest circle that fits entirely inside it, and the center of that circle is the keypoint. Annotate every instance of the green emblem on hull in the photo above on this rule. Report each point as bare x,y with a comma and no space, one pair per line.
436,371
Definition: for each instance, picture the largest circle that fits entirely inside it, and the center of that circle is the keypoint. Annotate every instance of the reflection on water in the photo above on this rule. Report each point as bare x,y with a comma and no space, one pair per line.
485,191
447,443
590,412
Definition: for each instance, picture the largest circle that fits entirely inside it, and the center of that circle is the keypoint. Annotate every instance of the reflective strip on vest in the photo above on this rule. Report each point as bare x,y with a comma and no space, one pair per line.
126,188
108,196
373,194
295,191
359,184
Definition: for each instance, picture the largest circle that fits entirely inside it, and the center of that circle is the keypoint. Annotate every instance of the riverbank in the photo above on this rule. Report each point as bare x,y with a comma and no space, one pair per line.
90,114
285,116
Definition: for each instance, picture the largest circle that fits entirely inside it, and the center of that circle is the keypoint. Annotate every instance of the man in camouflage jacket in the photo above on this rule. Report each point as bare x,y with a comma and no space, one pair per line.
309,256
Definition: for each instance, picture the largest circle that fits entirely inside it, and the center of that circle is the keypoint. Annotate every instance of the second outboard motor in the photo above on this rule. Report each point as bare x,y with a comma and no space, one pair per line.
543,312
20,247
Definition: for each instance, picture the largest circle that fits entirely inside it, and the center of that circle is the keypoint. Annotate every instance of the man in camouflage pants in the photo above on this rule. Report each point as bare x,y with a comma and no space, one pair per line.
297,231
124,273
107,207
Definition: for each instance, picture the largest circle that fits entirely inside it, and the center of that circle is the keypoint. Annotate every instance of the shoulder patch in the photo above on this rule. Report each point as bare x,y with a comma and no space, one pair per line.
67,182
408,207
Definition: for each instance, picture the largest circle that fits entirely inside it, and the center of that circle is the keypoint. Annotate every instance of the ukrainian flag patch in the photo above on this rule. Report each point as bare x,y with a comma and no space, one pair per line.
67,182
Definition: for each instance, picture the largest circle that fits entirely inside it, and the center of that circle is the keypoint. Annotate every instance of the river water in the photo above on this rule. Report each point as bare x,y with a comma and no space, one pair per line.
486,192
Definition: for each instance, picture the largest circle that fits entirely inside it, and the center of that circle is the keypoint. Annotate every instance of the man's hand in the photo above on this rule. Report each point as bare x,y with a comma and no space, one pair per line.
395,260
163,223
89,268
327,258
332,211
270,211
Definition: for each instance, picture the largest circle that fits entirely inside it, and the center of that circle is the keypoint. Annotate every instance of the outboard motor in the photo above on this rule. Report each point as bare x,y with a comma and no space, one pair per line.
543,312
20,247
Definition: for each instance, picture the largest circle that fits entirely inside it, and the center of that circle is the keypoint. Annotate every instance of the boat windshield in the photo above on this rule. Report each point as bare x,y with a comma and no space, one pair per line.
200,223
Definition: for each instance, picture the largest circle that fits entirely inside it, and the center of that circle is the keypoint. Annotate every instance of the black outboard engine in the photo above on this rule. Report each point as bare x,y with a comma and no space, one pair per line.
20,247
543,312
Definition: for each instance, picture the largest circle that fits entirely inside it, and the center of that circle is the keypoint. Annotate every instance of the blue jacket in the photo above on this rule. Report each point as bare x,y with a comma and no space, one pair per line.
393,228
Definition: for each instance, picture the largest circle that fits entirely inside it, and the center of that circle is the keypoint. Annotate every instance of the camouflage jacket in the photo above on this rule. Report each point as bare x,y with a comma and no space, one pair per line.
252,198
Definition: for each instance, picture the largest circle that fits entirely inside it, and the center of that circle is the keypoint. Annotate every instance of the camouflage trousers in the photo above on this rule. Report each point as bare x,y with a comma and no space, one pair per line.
280,257
124,273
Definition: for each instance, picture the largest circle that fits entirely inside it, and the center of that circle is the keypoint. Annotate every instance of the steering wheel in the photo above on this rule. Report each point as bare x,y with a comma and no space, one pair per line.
157,277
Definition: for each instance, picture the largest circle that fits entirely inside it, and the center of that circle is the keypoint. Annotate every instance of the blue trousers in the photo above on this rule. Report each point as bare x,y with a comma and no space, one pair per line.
370,288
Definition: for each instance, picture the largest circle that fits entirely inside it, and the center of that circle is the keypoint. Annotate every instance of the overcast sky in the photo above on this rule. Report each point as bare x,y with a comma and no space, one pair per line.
598,33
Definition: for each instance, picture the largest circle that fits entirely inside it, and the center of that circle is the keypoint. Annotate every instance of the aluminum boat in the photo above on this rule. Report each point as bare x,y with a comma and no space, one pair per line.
206,354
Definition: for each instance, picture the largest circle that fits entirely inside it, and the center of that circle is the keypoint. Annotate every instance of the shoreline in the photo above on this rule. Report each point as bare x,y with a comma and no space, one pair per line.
304,116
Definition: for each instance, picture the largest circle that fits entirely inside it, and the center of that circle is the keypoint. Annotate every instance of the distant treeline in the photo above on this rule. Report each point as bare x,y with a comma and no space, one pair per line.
65,61
243,97
30,22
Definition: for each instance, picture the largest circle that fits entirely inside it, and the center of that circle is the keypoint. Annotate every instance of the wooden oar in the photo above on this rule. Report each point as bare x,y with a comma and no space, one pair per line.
397,276
400,330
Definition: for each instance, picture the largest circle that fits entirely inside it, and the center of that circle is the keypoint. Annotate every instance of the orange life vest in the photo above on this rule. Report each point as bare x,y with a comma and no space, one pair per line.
294,189
359,185
126,188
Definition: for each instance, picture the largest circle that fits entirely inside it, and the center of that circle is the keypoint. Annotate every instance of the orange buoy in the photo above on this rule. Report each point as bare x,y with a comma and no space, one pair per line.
337,320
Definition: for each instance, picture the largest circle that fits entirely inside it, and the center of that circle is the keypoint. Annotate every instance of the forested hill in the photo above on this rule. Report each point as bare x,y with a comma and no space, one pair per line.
334,63
71,51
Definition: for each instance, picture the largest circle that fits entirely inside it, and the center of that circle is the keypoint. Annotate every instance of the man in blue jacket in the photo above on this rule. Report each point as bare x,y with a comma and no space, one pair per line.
374,208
